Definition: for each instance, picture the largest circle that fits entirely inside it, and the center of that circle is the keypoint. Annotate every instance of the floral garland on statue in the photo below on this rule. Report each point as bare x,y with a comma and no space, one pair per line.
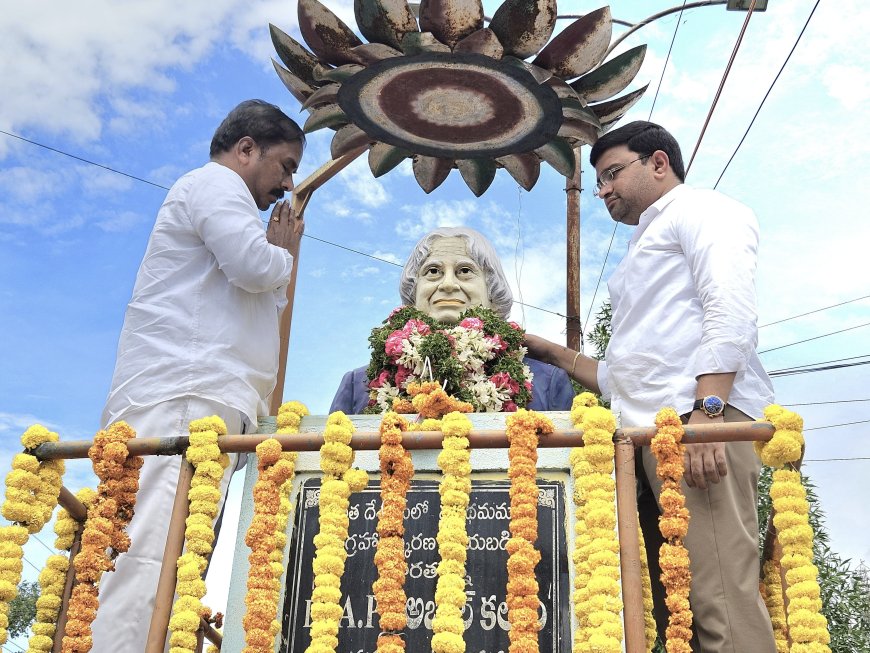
389,588
267,535
807,625
523,430
431,401
339,481
104,535
479,360
52,579
771,591
602,605
32,489
668,450
455,490
209,464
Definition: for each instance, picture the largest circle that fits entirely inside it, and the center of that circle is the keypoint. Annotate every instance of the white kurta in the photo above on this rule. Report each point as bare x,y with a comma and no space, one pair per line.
684,305
200,337
203,319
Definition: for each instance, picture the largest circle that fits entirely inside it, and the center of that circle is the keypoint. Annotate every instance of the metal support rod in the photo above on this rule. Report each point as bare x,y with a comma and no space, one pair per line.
629,548
211,634
168,572
62,616
573,327
371,440
72,505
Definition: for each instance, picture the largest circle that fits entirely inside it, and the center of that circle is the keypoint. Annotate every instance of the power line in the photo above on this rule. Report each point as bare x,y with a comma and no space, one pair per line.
824,335
836,360
820,403
818,310
48,548
831,426
831,460
758,110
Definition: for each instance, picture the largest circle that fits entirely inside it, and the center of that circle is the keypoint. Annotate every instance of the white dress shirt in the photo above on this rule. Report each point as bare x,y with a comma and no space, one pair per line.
203,319
684,305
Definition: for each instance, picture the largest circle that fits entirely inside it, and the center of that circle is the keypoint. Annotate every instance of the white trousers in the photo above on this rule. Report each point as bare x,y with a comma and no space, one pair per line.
127,595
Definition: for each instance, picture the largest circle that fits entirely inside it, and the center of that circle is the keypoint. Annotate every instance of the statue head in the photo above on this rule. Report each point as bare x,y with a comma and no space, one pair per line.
452,269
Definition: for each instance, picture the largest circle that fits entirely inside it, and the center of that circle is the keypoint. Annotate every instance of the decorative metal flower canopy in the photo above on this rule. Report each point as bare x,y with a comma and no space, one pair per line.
451,93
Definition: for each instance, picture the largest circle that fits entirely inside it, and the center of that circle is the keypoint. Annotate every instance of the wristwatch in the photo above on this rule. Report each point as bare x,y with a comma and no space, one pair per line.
712,406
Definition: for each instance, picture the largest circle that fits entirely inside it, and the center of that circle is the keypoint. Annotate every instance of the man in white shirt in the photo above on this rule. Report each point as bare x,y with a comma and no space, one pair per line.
684,335
200,334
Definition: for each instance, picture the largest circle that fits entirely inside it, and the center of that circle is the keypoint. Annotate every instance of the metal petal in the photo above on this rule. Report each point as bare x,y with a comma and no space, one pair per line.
324,74
524,26
324,95
330,115
483,41
430,171
524,168
384,21
566,94
298,60
370,53
610,77
346,139
578,131
559,154
383,158
477,173
580,47
451,20
612,110
541,75
420,42
298,89
326,34
582,115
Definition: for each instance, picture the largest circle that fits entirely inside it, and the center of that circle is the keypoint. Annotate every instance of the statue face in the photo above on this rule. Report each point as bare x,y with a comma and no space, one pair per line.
449,281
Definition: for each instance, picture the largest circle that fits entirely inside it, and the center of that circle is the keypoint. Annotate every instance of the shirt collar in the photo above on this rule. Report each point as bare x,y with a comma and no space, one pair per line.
655,208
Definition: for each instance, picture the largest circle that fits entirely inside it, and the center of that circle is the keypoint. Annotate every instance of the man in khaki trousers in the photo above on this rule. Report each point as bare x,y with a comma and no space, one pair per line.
684,334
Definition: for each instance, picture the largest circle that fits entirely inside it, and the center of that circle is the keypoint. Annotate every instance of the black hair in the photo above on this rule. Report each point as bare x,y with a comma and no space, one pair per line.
263,122
643,138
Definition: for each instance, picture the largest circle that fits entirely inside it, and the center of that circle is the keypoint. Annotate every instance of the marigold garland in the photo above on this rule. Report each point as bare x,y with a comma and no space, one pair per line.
104,535
339,480
32,488
523,429
807,626
52,579
65,526
430,400
771,591
389,588
204,495
668,450
455,490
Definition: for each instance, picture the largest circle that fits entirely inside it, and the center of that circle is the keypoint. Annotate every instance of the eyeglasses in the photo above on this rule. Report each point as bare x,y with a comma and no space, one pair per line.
609,175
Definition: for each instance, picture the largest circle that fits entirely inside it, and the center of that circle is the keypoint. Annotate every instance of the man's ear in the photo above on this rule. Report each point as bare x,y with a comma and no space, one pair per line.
245,148
661,163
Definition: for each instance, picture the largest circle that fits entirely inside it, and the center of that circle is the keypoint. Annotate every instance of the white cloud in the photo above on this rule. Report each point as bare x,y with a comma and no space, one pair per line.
120,222
438,213
363,188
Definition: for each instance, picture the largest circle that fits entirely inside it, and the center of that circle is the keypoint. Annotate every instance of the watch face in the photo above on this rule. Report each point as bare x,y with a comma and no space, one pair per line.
713,405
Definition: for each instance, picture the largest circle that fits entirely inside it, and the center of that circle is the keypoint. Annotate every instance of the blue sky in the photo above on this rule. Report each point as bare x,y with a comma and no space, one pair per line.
141,87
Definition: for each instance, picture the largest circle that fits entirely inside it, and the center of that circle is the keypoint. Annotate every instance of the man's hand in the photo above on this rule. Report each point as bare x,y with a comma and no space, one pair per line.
541,349
285,228
704,462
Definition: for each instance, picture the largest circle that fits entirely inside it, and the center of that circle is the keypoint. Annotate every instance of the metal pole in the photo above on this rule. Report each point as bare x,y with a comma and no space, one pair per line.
629,548
72,505
168,572
573,327
62,616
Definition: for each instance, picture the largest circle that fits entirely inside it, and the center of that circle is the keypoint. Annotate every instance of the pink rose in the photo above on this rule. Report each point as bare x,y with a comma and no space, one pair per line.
415,325
515,326
503,381
472,323
381,379
497,343
402,375
527,385
509,407
395,310
393,346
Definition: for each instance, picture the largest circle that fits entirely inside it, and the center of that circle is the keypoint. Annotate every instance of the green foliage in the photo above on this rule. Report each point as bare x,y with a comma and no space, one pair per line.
601,332
845,587
22,609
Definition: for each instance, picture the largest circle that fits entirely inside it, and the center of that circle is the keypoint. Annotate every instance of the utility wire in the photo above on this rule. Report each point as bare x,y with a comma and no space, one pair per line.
819,369
831,426
824,335
836,360
819,403
758,110
818,310
831,460
47,548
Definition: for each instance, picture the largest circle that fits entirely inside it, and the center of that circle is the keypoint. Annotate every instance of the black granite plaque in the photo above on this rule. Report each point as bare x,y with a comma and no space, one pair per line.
485,612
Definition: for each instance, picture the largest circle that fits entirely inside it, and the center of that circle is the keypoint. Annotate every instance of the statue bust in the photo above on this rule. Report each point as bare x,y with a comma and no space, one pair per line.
450,270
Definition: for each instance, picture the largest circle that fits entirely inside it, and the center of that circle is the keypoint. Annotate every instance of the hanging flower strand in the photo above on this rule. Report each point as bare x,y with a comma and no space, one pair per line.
32,488
452,538
668,450
52,579
209,464
523,429
771,591
339,480
389,588
104,535
807,625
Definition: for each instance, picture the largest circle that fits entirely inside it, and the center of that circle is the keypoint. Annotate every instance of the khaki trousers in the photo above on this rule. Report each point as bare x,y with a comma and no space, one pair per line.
729,615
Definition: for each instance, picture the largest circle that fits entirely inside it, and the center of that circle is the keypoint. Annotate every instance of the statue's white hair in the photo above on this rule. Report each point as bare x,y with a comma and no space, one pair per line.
481,252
